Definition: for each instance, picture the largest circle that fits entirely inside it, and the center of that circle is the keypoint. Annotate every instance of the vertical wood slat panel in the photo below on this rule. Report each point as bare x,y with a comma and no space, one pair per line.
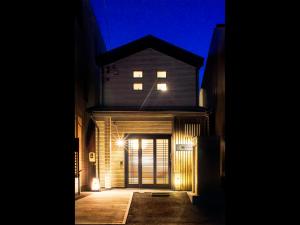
184,130
107,175
97,152
101,151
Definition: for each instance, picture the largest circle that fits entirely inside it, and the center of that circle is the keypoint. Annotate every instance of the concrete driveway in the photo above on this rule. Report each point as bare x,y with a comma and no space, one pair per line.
175,209
106,207
138,207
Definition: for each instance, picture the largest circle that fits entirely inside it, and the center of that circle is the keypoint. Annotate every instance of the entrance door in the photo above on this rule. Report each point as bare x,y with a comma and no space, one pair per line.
148,161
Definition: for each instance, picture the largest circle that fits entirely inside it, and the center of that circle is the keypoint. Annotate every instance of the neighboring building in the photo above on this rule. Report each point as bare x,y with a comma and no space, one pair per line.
88,45
148,116
212,94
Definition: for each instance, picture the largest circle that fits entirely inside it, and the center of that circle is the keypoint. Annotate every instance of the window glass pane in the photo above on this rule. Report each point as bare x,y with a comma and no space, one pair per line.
161,74
162,86
137,86
137,74
147,161
133,160
162,156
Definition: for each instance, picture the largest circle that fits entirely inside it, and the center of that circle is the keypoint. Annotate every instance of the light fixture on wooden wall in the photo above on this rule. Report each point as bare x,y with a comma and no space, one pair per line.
120,142
95,184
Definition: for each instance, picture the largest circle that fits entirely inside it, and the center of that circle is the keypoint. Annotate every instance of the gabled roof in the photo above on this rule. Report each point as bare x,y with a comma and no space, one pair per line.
150,41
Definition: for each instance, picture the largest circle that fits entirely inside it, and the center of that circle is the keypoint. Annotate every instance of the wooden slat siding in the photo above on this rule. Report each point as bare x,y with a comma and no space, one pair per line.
117,171
83,160
144,127
180,81
136,118
97,151
172,155
101,147
119,129
108,153
184,131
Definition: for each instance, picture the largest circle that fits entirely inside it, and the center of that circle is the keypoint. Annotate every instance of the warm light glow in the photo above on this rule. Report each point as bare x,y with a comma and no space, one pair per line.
137,74
76,184
162,87
134,144
137,86
147,160
120,142
95,184
177,180
161,74
107,181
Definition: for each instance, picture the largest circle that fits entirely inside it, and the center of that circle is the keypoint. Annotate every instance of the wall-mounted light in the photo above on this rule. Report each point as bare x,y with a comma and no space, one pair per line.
95,184
120,142
177,180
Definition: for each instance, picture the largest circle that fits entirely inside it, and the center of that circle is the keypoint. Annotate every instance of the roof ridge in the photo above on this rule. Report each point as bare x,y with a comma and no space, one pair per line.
151,41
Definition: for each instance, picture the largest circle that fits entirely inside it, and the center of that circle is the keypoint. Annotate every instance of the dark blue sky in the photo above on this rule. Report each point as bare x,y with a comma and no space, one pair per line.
188,24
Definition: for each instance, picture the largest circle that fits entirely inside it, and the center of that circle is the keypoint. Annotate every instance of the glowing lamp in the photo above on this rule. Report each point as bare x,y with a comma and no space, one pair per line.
95,184
177,180
120,142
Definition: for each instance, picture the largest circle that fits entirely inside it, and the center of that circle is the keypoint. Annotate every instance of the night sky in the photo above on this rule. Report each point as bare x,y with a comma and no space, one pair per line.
188,24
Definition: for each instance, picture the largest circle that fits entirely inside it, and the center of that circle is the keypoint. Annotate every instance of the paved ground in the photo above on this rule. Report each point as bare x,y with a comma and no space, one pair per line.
82,195
107,207
112,207
173,210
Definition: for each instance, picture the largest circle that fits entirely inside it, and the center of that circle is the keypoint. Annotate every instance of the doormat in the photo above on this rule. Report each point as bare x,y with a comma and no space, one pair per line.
155,194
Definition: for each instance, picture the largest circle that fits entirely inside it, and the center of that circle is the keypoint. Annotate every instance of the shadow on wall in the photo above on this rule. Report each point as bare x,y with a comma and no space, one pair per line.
90,129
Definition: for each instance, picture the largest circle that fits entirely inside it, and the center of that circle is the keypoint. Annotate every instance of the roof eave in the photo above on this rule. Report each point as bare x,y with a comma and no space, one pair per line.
154,43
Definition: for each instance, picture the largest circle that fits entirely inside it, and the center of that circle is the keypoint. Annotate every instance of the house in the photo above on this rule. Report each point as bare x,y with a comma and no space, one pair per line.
212,93
148,116
88,44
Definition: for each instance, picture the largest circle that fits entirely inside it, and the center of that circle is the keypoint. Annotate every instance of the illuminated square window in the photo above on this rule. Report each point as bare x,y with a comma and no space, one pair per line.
162,87
137,86
137,74
161,74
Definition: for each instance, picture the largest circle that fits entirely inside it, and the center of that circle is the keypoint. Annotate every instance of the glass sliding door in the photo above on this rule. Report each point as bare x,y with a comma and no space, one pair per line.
148,161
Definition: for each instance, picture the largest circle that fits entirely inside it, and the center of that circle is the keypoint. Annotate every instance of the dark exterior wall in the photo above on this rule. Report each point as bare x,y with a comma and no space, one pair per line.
214,86
118,83
88,44
209,167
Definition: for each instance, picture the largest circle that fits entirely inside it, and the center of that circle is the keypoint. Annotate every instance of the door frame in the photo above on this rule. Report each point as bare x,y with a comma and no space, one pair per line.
147,136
